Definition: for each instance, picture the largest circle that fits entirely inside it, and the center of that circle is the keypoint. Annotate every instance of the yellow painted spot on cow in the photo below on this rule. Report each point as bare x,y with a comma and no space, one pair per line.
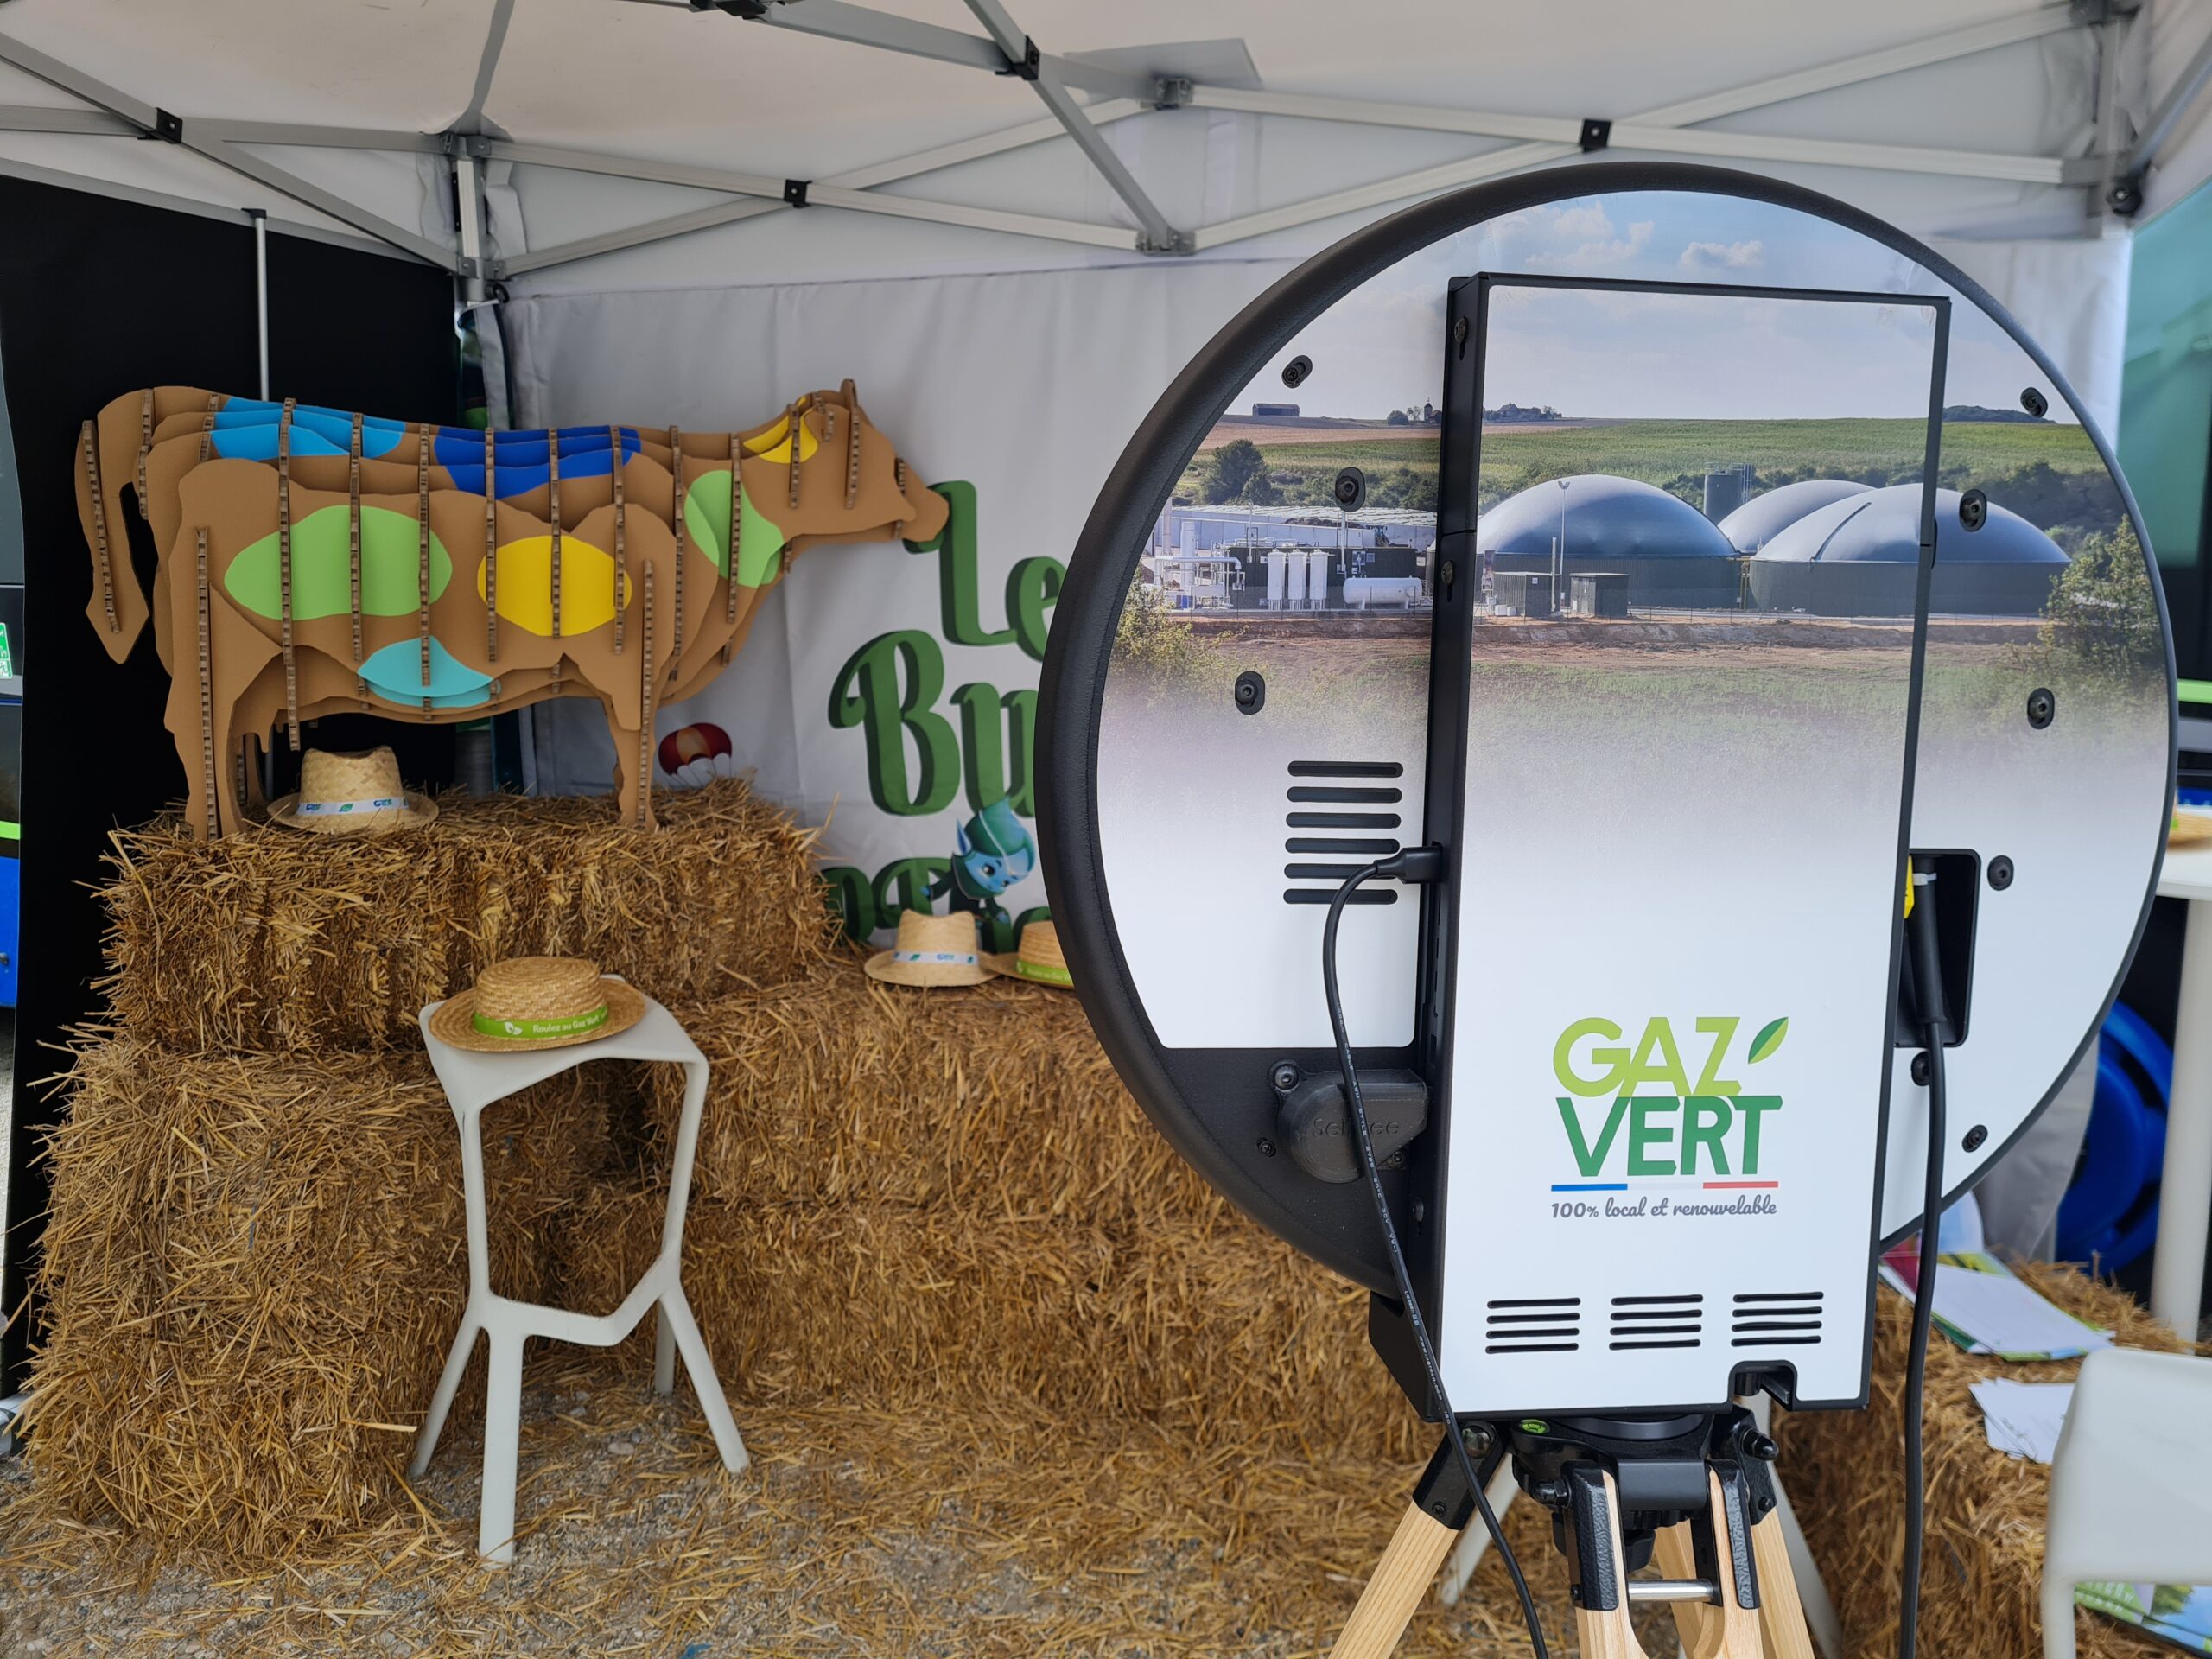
775,444
526,585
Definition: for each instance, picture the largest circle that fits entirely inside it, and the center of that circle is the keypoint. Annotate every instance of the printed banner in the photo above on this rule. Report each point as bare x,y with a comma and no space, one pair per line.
890,689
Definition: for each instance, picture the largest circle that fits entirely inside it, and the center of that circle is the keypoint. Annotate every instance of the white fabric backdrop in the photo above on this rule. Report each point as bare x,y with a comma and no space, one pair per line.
1025,386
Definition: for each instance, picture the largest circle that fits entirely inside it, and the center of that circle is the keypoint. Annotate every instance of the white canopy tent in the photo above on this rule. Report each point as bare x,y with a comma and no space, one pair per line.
600,145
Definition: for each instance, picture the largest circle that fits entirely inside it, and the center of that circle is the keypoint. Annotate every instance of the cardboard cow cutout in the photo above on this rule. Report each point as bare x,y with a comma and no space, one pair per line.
312,562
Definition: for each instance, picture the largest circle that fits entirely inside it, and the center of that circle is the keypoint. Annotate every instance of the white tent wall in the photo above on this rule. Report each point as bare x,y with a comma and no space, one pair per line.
1020,363
1025,385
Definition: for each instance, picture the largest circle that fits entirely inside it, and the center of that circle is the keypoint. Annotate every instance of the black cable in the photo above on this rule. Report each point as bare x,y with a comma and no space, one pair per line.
1928,978
1416,864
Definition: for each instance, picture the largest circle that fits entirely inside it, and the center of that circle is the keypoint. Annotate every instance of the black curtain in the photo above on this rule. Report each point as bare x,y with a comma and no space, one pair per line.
98,298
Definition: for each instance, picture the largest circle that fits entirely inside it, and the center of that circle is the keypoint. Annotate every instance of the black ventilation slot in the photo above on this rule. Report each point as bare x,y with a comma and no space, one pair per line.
1346,769
1340,847
1778,1319
1538,1324
1312,801
1382,796
1657,1322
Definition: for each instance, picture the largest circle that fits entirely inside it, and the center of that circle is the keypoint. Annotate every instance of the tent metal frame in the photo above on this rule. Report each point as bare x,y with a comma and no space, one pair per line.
1115,95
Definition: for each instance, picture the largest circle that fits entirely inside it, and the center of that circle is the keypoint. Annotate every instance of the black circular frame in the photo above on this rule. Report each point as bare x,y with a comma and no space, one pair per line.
1073,685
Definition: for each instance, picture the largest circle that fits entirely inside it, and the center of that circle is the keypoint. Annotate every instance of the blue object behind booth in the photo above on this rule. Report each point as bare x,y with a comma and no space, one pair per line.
2110,1212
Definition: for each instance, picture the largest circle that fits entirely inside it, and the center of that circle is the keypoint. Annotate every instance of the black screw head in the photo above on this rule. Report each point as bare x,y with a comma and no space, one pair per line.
2043,707
1975,1137
1251,692
1350,489
1285,1076
1421,1212
1267,1147
1920,1069
1476,1437
2035,403
1974,509
1395,1161
2000,872
1295,371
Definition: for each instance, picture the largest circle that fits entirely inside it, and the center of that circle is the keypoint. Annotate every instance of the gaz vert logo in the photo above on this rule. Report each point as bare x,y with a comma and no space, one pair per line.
1671,1106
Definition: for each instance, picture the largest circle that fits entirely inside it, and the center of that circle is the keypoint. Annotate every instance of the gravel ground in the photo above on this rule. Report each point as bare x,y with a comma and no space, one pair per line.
1005,1531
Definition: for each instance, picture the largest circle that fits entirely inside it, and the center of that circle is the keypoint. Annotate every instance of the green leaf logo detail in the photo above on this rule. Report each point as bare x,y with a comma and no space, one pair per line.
1769,1039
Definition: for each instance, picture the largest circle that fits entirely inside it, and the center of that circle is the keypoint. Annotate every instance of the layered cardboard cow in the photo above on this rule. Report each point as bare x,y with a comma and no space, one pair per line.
311,562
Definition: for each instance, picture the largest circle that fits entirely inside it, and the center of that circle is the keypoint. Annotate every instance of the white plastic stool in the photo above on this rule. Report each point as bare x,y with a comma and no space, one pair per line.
2131,1483
473,1082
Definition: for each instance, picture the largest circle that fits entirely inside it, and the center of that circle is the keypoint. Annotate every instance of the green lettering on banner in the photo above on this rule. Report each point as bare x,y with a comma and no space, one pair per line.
1033,587
889,687
982,760
1589,1161
1021,708
1644,1135
1705,1120
1752,1108
904,884
959,584
854,896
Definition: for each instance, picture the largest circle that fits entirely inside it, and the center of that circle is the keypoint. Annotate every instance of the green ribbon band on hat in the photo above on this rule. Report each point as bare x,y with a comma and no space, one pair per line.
1045,972
524,1031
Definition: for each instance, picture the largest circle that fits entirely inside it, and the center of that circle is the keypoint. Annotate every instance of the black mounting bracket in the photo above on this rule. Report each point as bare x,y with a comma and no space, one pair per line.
795,192
1025,66
169,129
1595,134
2124,195
751,10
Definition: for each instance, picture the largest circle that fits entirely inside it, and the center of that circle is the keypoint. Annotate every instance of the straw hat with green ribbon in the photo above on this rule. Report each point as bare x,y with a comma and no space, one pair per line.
1036,958
529,1002
352,794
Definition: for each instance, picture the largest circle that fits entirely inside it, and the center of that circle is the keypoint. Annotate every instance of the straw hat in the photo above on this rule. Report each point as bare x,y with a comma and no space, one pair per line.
529,1002
1036,958
931,950
356,794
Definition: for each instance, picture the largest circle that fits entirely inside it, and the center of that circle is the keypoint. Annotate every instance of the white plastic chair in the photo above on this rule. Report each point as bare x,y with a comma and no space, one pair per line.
473,1082
2131,1483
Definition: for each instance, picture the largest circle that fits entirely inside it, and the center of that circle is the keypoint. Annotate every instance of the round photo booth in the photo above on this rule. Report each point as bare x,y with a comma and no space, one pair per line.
1672,829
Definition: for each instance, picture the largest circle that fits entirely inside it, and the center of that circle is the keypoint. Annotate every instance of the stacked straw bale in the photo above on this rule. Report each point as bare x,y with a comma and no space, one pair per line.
1986,1511
273,940
254,1265
914,1198
256,1257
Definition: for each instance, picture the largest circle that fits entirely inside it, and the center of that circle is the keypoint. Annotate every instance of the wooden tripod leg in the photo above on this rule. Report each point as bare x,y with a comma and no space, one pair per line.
1676,1552
1402,1579
1782,1614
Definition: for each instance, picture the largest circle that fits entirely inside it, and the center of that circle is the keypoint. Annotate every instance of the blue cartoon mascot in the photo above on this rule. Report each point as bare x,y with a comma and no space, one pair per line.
995,852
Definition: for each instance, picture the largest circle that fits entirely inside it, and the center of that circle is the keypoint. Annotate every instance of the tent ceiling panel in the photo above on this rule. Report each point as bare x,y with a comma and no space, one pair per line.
1995,141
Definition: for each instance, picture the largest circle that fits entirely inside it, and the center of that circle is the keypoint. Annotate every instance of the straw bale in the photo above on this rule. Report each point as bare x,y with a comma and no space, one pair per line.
1983,1571
993,1098
254,1266
1201,1323
274,941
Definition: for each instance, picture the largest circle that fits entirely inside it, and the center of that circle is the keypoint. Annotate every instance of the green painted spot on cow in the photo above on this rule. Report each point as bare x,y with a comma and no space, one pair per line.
322,568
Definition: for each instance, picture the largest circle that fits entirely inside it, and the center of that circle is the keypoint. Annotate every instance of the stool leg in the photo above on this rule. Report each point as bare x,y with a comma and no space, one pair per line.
675,1317
495,1533
433,1422
663,1352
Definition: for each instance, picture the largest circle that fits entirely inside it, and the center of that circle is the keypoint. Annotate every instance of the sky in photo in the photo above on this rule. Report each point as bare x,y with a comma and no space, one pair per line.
1381,347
